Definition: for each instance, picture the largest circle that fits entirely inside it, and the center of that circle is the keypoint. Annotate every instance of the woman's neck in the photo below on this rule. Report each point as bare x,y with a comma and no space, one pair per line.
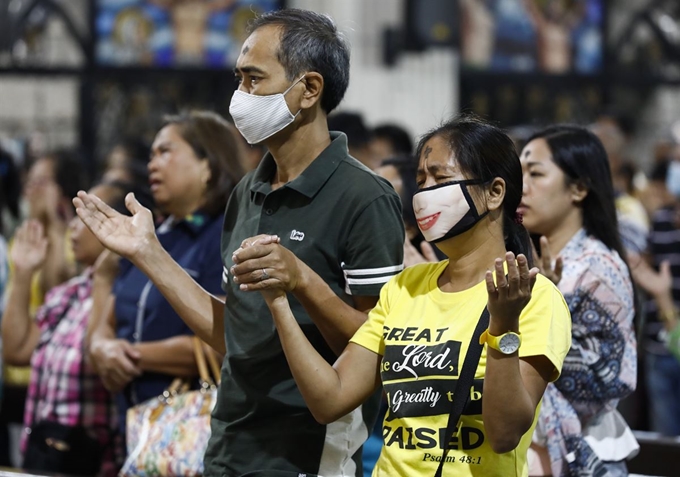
471,254
559,237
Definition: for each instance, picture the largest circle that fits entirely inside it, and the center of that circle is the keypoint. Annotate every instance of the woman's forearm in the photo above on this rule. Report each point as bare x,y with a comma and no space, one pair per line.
317,380
174,356
56,268
20,334
102,307
507,408
511,393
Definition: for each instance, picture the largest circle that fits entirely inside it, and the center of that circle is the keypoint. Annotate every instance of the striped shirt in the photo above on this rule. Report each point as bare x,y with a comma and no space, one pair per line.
664,244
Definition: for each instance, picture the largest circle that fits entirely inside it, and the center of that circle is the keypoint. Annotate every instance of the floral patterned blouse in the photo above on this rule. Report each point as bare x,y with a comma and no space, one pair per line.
601,366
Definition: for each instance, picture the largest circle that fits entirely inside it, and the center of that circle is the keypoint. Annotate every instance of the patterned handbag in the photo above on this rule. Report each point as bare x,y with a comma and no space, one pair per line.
168,435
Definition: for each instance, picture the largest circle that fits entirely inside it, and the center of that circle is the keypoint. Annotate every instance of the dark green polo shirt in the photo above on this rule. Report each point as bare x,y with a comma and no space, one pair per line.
345,223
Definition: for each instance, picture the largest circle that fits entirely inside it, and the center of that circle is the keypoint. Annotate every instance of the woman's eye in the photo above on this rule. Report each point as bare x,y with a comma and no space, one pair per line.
535,174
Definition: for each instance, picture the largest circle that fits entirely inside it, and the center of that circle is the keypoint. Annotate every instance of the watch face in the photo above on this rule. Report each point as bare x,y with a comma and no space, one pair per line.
509,343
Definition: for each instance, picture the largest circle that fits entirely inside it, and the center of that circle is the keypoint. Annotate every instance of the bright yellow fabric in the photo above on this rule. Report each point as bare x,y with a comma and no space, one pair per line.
423,334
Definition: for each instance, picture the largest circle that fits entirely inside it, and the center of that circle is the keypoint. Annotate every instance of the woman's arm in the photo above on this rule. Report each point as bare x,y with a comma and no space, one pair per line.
115,360
513,387
329,391
56,269
174,356
104,273
20,334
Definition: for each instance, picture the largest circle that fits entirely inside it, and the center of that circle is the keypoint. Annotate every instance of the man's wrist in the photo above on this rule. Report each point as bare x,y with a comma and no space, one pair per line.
149,255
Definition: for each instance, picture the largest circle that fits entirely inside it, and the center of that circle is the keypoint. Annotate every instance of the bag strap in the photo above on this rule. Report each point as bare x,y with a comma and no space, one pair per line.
204,353
465,379
214,365
200,362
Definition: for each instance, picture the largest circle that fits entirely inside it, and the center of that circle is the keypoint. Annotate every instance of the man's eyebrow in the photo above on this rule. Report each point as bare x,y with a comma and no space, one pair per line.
248,70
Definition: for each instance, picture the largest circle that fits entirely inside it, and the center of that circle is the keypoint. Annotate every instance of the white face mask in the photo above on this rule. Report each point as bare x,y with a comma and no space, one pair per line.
446,210
260,117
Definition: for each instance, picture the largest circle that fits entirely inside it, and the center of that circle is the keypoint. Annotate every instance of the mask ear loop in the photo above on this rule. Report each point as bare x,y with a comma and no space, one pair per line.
291,87
466,193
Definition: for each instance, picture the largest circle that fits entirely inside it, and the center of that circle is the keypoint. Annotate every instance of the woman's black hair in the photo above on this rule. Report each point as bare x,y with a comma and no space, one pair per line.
69,170
484,152
406,166
583,159
10,186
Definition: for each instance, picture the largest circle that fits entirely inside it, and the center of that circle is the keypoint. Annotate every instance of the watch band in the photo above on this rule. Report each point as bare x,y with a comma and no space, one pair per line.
495,341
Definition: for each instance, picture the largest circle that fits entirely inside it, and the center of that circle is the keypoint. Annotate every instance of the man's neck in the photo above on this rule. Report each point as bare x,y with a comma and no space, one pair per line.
294,153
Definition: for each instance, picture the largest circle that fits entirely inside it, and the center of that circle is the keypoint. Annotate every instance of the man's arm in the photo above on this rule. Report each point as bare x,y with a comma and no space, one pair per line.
201,311
336,320
135,239
373,253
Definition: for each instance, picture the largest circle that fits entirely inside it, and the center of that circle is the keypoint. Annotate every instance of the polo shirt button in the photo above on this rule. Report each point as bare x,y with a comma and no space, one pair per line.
135,335
268,211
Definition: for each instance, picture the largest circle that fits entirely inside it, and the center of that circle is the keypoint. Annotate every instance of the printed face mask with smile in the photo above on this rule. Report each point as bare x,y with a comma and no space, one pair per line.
446,210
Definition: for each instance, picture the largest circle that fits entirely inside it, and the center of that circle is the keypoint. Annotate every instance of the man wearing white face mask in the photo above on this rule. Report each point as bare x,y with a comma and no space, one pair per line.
340,239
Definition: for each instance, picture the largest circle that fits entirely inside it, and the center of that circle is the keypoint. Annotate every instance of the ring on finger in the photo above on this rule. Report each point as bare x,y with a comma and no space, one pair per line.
264,276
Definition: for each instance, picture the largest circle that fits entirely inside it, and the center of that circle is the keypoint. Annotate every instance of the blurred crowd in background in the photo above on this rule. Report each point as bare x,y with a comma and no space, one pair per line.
48,259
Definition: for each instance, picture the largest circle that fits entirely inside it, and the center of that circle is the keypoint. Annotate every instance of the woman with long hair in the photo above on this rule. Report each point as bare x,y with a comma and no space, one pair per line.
417,341
569,199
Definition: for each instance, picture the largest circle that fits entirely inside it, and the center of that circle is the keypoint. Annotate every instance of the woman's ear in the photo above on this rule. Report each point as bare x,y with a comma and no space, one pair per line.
495,194
313,89
578,192
206,173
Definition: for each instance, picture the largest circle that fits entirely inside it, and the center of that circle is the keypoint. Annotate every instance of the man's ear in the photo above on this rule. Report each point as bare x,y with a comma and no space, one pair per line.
578,192
313,89
495,194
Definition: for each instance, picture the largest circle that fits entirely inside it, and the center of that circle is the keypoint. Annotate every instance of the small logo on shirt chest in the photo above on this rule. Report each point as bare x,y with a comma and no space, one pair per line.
297,235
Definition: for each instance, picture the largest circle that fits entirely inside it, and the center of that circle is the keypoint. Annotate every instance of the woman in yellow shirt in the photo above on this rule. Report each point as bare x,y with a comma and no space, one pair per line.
416,339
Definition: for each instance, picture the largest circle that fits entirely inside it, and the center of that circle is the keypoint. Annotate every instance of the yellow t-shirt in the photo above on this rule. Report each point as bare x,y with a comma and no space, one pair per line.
423,334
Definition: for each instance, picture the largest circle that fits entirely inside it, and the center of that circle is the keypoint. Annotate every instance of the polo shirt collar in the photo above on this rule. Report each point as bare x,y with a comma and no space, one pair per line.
193,222
313,178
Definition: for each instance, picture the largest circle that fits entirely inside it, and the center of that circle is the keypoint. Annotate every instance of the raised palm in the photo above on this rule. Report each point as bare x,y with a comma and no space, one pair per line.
29,249
653,282
126,236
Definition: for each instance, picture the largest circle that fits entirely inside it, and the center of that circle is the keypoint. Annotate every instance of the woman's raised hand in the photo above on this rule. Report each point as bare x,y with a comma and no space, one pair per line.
29,249
554,274
509,295
126,236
